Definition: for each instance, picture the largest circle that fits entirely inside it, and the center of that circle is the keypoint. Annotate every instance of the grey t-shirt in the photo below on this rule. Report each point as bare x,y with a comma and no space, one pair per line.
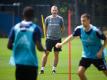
54,25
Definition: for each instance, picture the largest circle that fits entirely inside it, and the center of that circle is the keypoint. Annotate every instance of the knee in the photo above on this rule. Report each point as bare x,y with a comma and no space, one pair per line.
46,54
80,73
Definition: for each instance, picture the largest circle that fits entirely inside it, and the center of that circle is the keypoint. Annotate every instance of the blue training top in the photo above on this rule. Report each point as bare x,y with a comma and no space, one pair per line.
24,37
91,40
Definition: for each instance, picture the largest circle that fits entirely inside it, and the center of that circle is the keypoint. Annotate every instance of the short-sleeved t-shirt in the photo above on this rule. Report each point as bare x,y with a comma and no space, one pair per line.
54,25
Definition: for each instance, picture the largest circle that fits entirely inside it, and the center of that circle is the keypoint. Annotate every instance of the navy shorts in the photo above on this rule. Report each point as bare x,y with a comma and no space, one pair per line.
100,64
24,72
51,44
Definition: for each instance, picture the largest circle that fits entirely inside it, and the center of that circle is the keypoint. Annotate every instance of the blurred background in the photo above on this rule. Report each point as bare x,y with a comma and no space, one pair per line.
11,12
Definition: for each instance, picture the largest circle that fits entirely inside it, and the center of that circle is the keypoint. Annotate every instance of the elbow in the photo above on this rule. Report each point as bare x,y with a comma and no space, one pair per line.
9,47
10,44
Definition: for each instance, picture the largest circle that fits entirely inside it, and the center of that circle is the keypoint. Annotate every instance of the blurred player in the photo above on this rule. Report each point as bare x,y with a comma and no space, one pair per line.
92,53
22,40
54,28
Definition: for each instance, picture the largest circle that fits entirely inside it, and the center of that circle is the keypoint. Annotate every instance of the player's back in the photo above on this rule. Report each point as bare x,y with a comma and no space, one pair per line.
24,46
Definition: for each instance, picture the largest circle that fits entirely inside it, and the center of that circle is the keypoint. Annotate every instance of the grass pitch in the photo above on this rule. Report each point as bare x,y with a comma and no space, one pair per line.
7,71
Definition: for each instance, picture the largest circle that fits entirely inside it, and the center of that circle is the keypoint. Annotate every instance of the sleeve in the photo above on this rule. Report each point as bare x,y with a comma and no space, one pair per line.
11,39
77,32
46,21
62,22
12,35
37,34
100,35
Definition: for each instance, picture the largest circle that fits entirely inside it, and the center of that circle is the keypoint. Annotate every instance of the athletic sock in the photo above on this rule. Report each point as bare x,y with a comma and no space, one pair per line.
53,68
42,68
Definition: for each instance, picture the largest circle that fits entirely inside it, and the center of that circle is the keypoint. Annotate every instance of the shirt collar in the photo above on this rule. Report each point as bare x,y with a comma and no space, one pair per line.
26,23
89,28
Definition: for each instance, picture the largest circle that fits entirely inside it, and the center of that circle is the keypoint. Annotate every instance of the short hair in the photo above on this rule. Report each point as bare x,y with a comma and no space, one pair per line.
54,6
28,12
85,15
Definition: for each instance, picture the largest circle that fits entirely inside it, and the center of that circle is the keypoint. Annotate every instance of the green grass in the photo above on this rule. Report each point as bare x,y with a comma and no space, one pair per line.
7,71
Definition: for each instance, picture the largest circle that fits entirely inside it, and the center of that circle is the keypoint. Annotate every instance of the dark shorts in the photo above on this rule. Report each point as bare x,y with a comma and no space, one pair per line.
51,44
26,72
100,64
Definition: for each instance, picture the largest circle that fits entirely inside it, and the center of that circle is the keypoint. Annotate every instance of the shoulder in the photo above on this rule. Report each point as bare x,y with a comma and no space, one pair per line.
37,28
94,27
97,30
77,31
60,17
78,27
48,17
16,26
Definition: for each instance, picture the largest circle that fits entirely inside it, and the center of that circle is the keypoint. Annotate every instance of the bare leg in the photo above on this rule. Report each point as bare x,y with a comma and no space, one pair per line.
81,73
56,58
44,58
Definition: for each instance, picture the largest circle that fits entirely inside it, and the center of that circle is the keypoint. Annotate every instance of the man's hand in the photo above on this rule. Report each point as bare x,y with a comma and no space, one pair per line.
58,45
99,54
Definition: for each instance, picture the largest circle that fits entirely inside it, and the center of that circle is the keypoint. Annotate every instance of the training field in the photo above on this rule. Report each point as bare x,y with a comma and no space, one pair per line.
7,71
